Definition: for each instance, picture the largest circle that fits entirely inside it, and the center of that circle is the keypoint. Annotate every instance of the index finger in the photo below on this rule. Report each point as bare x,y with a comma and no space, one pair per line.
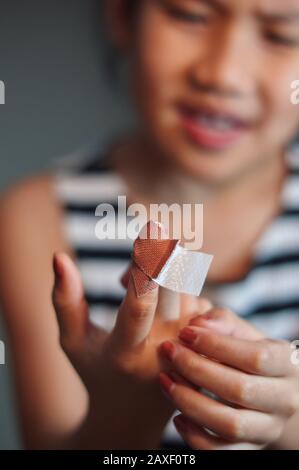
135,318
263,357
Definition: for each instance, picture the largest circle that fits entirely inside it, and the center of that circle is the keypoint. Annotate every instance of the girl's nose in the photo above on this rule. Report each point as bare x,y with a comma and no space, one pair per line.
225,65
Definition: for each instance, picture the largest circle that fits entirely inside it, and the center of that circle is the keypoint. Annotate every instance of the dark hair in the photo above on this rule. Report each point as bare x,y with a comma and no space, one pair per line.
131,6
112,57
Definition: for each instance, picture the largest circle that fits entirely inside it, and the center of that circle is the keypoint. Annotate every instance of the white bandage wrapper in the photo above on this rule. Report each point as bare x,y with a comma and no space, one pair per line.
185,271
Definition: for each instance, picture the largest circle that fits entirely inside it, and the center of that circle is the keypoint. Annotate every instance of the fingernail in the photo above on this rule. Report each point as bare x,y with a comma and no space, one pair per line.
166,383
168,350
57,266
124,279
207,323
188,335
211,324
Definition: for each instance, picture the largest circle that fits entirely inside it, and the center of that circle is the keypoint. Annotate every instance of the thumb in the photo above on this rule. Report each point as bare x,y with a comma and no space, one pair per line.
69,302
226,322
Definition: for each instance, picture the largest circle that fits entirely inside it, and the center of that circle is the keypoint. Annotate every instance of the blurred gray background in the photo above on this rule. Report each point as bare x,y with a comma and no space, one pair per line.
58,99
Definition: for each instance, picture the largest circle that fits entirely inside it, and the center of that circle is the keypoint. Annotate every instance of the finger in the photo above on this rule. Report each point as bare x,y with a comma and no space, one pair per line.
179,379
231,385
194,306
168,307
135,318
226,322
227,422
69,302
263,357
124,280
188,305
191,307
199,438
182,307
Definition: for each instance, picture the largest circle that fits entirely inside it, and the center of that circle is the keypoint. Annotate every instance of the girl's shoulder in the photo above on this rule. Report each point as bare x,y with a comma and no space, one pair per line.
31,227
38,204
32,207
26,199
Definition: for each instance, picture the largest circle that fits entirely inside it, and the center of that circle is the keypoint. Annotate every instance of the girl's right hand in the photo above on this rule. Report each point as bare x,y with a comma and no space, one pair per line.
119,369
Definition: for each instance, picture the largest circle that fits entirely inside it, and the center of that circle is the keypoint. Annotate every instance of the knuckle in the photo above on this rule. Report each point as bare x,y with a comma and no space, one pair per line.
185,360
189,361
243,392
126,364
140,312
276,430
122,366
181,400
292,405
235,428
260,359
210,341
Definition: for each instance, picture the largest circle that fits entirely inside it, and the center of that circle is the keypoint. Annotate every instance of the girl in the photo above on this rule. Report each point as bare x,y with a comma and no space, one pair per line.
211,83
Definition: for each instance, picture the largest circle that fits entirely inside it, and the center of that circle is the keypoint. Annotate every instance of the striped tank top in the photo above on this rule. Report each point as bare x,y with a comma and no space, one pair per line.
267,296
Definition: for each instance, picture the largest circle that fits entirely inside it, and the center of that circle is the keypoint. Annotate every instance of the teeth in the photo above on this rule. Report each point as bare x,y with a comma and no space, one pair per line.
218,123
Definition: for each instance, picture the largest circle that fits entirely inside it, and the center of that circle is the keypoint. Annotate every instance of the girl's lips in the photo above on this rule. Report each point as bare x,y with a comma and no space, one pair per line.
210,137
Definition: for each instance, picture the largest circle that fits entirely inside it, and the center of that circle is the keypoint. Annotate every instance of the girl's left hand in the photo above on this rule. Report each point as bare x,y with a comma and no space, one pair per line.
254,378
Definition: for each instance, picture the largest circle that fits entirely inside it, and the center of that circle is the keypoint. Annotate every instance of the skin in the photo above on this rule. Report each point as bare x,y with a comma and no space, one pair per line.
258,386
255,86
63,356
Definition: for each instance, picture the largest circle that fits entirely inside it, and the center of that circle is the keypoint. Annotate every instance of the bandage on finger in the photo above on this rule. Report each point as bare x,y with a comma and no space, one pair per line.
157,259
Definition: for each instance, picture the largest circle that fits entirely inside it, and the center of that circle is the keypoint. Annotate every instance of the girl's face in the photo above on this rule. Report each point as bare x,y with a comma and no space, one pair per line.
212,81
